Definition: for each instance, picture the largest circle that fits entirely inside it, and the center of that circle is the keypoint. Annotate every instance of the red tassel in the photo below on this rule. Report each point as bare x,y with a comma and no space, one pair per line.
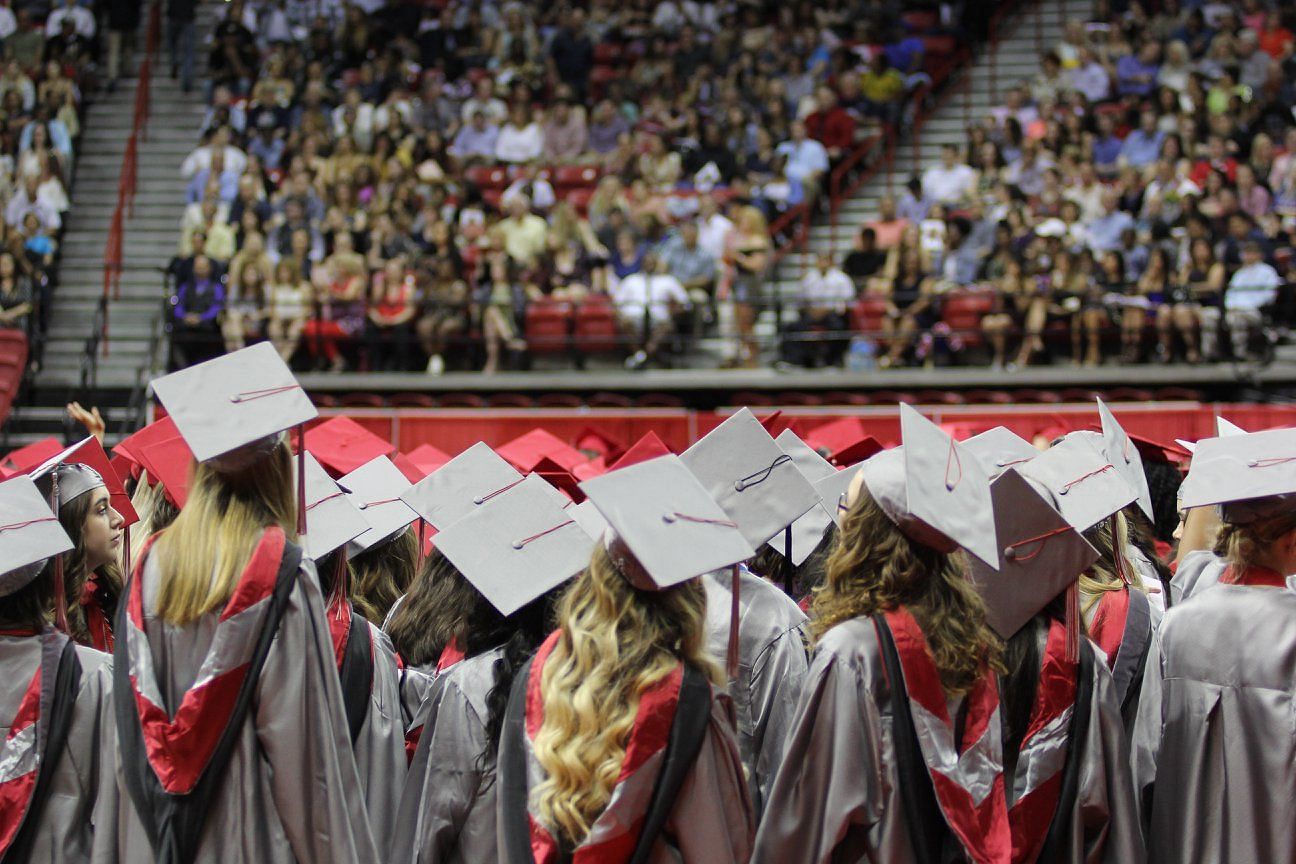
1073,623
341,589
60,597
731,655
301,480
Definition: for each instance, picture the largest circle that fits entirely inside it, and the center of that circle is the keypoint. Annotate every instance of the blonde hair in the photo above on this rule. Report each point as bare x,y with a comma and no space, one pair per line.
155,513
1111,538
615,642
875,568
207,547
752,221
1242,545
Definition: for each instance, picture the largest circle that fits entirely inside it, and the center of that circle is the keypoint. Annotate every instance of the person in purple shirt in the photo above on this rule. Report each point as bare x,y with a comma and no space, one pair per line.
1143,145
198,304
605,128
475,141
1136,73
1106,146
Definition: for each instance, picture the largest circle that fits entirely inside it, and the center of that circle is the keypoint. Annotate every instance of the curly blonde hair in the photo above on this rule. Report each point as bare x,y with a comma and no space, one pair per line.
615,642
1242,545
875,568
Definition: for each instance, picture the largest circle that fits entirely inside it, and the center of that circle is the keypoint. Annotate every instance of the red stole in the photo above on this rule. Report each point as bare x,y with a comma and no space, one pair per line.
1107,628
1042,761
612,841
450,655
180,746
21,759
967,775
101,635
1253,576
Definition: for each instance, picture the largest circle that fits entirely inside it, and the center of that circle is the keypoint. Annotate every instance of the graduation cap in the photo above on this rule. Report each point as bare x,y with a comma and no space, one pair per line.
1040,554
464,483
1082,479
237,402
811,465
832,491
1250,476
1000,448
158,430
844,441
332,518
1223,429
342,445
26,458
776,424
81,468
526,451
589,519
427,458
560,479
168,462
599,443
934,490
648,447
375,489
517,547
1124,454
411,472
666,528
797,540
30,534
590,469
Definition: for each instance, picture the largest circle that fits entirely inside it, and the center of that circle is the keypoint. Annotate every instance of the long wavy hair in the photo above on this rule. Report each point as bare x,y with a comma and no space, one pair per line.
30,605
1109,573
382,573
797,581
155,513
206,549
72,516
614,642
1243,545
875,568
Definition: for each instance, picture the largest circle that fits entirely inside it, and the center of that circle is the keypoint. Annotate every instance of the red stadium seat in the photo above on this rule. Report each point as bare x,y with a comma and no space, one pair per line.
659,400
411,400
943,397
461,400
797,399
962,312
1129,394
986,397
579,199
596,330
1031,396
361,400
1177,394
842,397
492,198
509,400
570,176
485,177
752,398
558,400
548,327
939,46
607,53
920,20
867,314
609,400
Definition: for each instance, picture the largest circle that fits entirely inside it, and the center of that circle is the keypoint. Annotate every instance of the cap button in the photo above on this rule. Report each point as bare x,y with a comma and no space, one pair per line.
668,518
517,544
1010,553
739,486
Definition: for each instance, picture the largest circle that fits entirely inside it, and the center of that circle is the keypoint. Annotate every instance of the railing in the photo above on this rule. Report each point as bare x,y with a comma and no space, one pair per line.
127,183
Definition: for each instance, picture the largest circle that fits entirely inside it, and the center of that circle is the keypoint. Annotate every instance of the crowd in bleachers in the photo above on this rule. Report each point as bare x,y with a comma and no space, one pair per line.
48,58
1135,200
469,185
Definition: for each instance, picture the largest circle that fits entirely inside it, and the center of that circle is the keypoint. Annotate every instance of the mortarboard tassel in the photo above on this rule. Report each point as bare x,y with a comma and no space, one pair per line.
731,655
126,551
60,592
341,592
301,480
1073,623
789,577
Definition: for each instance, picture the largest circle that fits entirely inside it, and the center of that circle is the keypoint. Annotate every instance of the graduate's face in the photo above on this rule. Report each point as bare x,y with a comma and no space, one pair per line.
101,536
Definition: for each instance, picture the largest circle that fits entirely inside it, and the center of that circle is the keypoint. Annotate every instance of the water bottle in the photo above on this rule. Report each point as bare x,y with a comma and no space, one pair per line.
862,356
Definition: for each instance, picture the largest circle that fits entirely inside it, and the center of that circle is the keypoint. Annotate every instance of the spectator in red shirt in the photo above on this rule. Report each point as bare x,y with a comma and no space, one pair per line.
831,125
1275,39
1217,159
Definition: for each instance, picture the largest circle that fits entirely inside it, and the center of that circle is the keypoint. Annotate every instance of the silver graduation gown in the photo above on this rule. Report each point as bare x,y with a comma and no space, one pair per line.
772,664
380,746
837,799
291,791
68,821
447,812
1196,572
1214,744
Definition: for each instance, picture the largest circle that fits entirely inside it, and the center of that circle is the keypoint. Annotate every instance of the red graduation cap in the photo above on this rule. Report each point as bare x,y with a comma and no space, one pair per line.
526,451
647,447
91,453
591,440
342,445
590,469
412,471
559,478
427,458
169,462
1159,451
775,423
844,442
159,430
26,458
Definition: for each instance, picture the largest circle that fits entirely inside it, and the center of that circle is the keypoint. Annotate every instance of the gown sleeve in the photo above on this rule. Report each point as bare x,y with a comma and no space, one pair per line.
302,728
777,676
1145,739
380,746
444,780
1108,814
831,776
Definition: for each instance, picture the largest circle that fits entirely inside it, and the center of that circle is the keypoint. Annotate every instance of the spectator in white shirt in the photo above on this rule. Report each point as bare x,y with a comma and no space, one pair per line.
27,200
952,181
201,157
714,227
529,183
816,339
484,100
8,22
807,160
520,139
1091,77
647,303
1254,286
82,18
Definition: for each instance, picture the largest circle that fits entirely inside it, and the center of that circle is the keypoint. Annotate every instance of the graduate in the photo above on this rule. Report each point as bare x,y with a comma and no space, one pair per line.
1213,744
896,750
1066,755
365,660
54,697
94,510
229,738
1119,611
617,744
763,491
502,566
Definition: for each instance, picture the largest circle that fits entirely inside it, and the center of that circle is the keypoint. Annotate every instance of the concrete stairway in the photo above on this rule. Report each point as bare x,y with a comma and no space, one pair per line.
1037,23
